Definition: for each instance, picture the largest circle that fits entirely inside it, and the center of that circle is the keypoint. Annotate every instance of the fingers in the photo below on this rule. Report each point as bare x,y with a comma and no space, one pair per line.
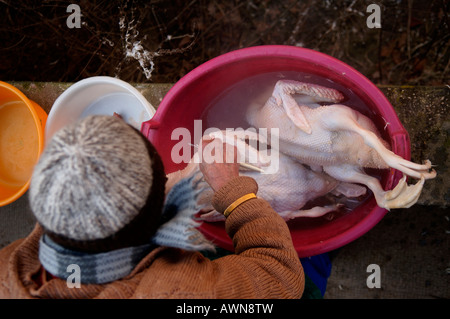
214,150
219,162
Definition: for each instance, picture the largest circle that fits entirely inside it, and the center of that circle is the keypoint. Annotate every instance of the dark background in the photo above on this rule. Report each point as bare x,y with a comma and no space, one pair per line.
411,48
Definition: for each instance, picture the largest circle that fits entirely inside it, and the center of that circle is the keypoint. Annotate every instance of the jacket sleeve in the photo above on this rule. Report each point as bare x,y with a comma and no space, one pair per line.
265,263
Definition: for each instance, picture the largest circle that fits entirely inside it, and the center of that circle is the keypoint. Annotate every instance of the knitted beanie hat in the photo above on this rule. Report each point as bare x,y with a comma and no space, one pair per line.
98,186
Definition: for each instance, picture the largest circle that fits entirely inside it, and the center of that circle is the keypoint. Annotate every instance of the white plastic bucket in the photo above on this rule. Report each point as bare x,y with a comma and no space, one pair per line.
98,95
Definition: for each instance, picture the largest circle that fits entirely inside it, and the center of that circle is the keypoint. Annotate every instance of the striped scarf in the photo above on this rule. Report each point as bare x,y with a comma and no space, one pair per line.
179,230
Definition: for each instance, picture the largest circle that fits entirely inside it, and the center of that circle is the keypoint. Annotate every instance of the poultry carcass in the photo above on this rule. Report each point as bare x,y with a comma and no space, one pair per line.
336,139
287,190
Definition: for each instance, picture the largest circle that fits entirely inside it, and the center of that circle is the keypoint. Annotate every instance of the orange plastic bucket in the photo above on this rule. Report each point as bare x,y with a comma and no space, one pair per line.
22,124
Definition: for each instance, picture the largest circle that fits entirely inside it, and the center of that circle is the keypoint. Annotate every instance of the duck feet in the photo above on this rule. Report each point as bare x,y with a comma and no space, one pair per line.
402,196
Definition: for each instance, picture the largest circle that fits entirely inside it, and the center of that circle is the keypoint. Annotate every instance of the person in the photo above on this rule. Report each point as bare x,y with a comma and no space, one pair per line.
98,195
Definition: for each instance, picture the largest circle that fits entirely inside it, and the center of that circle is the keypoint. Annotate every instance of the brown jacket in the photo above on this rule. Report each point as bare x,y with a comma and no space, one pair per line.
265,264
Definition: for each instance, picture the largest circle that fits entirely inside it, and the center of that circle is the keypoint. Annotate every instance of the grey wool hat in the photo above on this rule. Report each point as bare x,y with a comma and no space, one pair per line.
98,185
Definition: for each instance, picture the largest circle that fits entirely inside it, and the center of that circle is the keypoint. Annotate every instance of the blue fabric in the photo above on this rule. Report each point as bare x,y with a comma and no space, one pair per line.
318,269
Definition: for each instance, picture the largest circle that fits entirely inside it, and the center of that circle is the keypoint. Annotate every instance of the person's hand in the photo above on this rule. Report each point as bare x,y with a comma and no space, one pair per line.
217,165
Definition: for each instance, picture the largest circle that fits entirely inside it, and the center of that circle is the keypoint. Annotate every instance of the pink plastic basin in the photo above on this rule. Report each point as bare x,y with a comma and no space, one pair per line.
192,95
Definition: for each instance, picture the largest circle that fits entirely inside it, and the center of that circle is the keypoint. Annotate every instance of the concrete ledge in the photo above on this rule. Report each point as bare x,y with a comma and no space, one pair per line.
424,112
